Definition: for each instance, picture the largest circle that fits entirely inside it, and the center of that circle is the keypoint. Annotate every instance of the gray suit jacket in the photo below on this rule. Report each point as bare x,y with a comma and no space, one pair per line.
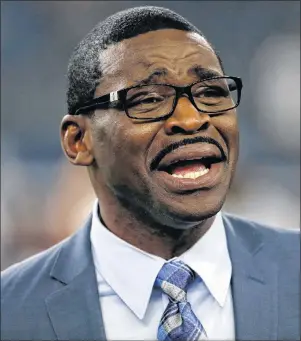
53,295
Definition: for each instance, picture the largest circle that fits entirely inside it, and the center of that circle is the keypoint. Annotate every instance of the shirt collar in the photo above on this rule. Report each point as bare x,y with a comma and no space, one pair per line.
121,263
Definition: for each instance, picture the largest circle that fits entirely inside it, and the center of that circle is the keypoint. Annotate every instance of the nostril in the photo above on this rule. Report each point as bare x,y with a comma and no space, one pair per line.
204,126
177,130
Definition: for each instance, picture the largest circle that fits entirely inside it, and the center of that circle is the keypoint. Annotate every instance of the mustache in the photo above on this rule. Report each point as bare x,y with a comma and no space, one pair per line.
201,139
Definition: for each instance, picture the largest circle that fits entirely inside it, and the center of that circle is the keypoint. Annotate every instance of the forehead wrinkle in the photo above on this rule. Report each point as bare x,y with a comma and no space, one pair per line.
154,74
158,57
189,55
155,54
115,70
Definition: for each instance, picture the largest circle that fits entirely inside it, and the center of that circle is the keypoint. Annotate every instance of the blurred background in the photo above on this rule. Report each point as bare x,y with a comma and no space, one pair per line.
44,199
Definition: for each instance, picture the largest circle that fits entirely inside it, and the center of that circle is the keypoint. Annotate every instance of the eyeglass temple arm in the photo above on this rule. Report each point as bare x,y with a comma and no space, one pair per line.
111,97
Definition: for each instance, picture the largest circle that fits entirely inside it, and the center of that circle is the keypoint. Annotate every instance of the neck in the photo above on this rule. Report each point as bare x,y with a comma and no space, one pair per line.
149,236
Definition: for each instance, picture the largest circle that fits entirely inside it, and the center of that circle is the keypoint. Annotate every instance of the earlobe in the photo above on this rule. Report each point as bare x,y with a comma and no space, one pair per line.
76,141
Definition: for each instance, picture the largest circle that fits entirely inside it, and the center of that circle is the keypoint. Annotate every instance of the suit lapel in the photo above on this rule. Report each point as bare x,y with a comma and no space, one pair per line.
74,310
254,283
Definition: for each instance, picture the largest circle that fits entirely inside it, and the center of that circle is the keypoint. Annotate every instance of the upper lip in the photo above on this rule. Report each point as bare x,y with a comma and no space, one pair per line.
195,151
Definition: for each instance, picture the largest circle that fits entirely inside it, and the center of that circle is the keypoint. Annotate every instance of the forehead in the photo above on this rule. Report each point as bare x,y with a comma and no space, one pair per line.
176,52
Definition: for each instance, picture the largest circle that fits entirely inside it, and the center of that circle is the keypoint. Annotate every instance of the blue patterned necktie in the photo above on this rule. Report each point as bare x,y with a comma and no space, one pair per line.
178,321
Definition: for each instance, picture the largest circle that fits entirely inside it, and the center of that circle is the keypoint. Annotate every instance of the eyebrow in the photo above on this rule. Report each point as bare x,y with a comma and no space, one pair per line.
148,80
201,72
204,73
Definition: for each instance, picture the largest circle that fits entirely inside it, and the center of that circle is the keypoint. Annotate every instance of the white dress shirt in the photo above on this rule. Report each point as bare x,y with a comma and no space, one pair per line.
132,308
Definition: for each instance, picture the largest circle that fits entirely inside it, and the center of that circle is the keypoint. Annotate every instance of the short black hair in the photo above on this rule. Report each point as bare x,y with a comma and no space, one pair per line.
84,68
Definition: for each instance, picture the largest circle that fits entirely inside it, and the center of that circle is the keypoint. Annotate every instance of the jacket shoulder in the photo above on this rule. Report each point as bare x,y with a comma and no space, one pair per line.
30,278
24,287
274,251
33,267
264,229
281,242
27,285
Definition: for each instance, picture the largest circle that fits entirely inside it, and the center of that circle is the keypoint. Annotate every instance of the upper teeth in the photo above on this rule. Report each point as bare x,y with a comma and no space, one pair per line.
191,175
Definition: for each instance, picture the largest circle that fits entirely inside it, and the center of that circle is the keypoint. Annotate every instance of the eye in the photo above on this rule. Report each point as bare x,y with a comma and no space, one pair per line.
151,99
212,91
143,98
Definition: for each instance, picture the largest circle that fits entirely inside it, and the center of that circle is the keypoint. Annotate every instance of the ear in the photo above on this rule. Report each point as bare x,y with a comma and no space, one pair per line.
76,140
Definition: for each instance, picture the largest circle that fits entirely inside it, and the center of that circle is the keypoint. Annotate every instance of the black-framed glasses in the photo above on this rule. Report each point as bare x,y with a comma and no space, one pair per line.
213,96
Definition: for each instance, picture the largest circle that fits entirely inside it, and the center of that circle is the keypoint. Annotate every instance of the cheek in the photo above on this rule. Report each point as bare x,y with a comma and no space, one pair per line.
120,143
227,127
231,130
103,133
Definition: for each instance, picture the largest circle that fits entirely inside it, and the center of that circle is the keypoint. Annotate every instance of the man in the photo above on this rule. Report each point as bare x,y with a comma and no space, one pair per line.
152,116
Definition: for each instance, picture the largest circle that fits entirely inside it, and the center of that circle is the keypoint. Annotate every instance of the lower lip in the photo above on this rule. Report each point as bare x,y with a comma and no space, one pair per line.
204,182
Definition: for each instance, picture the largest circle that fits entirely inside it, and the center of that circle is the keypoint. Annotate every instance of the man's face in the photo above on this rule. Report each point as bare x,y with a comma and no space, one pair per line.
124,149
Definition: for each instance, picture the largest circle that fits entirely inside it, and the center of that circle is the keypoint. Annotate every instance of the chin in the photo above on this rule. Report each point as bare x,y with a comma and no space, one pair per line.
187,213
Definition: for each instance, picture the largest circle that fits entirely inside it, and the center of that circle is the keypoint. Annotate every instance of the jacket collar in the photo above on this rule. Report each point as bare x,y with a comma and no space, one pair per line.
74,309
254,281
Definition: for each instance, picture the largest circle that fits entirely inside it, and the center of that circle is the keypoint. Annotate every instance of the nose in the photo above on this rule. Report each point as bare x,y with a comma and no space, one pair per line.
186,119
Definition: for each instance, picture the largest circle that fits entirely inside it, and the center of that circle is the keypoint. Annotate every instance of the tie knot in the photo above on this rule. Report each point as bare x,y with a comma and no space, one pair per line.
174,278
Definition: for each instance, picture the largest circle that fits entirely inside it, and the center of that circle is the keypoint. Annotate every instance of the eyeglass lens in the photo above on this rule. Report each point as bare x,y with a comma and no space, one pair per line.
152,101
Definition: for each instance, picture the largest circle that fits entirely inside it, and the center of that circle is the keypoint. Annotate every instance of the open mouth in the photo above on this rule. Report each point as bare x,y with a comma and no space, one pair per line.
190,169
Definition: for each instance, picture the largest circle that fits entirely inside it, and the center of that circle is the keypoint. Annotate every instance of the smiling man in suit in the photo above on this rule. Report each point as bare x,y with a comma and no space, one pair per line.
152,116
